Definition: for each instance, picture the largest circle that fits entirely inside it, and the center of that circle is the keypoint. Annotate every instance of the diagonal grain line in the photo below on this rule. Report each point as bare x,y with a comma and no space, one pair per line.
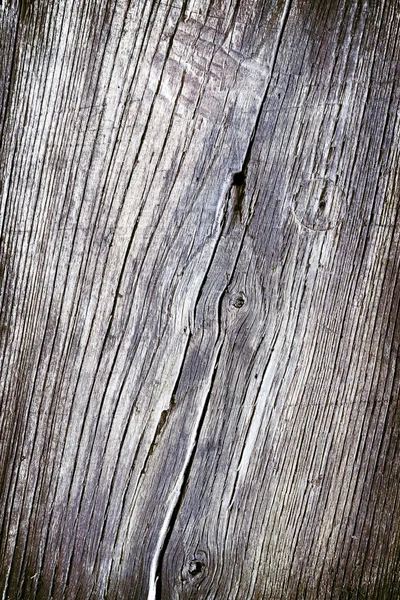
274,58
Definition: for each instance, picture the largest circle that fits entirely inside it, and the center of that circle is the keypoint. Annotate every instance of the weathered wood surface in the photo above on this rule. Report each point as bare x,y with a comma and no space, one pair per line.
199,370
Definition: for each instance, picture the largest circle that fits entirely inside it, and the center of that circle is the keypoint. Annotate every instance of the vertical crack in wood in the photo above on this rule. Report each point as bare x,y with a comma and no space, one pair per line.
178,492
274,58
235,199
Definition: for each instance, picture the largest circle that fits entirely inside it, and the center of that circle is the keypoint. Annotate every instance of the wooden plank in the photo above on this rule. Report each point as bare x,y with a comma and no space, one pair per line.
200,256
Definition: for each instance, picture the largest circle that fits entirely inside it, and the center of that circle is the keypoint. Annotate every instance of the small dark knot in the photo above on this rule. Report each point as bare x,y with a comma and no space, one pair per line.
195,568
239,301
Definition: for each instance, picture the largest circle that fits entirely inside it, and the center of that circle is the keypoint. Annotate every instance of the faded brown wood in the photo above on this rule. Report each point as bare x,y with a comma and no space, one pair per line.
199,269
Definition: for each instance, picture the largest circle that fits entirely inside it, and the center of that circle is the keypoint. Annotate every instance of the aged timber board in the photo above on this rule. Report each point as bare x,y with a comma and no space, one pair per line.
199,278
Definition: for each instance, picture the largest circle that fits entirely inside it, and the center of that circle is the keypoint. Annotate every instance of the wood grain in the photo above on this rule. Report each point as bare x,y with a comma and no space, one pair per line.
199,271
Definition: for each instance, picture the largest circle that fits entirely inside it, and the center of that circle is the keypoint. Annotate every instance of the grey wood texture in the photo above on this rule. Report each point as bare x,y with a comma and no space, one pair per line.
200,289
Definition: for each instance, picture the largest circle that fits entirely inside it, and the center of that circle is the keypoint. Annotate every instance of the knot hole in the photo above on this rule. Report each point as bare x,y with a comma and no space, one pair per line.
238,178
239,300
195,568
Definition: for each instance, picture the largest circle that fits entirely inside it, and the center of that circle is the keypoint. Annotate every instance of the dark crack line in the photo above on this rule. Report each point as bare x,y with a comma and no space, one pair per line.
178,493
274,58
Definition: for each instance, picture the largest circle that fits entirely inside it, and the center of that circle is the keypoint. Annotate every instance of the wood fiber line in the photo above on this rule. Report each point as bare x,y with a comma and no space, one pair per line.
199,335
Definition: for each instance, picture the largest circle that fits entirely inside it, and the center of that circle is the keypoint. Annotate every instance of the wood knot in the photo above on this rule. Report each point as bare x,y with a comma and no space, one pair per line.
195,568
316,481
319,204
239,300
